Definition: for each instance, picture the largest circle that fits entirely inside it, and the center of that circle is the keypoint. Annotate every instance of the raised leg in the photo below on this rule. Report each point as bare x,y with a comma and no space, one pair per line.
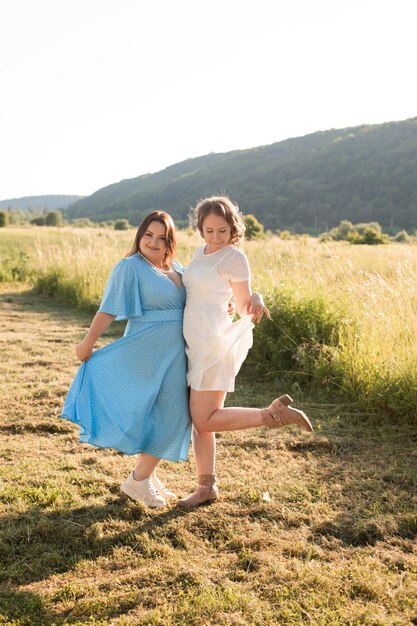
209,415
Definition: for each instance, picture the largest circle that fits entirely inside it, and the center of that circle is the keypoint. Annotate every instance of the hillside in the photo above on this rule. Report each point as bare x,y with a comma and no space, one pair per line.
364,173
39,203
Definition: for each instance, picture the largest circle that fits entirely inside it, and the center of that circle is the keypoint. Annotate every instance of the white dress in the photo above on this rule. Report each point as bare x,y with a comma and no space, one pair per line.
216,347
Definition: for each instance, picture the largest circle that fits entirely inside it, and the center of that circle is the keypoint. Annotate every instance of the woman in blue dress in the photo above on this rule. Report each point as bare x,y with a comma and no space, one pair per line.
132,394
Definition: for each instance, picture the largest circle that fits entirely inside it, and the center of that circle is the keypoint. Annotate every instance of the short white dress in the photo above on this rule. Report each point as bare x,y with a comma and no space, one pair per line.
215,346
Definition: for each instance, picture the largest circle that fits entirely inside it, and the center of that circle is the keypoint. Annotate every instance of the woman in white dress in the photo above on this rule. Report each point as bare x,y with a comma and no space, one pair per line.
216,347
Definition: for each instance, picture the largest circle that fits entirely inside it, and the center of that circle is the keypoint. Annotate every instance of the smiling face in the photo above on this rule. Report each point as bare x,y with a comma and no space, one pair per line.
216,232
153,243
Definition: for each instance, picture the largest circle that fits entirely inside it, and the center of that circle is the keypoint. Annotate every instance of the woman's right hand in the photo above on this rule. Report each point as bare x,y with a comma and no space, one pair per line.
83,351
256,308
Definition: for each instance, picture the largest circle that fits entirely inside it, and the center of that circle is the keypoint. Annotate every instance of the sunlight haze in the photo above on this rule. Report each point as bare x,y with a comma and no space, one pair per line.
95,91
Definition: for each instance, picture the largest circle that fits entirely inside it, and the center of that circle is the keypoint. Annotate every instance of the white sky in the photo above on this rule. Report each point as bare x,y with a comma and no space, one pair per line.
95,91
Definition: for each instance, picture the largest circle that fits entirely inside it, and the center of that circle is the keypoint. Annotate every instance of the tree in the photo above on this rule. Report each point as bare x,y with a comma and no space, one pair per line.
254,229
121,225
3,219
38,221
53,218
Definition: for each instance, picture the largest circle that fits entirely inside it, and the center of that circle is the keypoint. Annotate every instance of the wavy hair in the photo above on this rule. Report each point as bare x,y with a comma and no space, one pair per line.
221,206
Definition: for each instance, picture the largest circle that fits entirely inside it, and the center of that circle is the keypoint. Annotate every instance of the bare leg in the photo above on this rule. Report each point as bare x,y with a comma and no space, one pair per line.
145,466
204,448
208,414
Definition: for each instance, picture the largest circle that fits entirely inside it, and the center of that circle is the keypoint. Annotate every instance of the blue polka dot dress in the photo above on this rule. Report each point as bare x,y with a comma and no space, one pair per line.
132,394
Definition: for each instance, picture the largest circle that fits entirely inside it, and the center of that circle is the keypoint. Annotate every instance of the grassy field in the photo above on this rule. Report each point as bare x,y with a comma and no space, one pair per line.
310,529
332,543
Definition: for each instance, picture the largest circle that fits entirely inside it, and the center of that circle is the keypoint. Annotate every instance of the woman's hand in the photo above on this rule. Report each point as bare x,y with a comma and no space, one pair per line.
83,350
256,308
100,323
231,309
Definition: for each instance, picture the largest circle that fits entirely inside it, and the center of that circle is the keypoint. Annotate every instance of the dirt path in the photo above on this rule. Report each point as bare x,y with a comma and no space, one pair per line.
37,338
35,345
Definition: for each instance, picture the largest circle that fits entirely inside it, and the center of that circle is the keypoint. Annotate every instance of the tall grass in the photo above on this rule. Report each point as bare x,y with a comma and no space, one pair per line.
76,269
344,317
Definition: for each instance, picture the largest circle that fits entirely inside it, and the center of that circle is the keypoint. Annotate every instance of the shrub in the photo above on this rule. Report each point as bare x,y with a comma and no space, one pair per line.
363,233
369,236
73,290
15,268
83,222
254,229
301,340
341,232
402,237
364,226
285,234
3,219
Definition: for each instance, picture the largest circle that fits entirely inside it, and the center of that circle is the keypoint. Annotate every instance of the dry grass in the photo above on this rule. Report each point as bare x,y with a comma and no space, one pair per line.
334,545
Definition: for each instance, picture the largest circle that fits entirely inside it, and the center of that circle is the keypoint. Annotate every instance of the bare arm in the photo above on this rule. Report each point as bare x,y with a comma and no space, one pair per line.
241,295
248,303
100,323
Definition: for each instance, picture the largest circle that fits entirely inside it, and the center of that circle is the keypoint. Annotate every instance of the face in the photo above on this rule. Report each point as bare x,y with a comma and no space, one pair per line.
216,232
153,243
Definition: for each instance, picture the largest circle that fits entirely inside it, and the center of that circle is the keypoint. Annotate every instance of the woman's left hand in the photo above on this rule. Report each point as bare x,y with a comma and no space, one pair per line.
256,308
231,309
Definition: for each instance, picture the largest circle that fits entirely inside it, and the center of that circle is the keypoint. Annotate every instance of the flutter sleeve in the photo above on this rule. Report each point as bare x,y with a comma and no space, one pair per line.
122,295
238,267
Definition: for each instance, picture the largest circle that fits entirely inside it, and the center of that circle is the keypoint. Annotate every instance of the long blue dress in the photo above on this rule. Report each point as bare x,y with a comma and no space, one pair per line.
132,394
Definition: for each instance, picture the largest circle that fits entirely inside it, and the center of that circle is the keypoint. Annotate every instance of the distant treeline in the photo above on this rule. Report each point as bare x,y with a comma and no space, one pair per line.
38,203
306,184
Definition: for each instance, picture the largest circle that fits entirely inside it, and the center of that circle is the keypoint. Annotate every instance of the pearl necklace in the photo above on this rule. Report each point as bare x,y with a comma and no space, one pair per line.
159,269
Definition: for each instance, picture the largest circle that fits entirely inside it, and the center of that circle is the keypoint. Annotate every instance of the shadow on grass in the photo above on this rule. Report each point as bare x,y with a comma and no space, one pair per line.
44,428
361,530
38,544
24,608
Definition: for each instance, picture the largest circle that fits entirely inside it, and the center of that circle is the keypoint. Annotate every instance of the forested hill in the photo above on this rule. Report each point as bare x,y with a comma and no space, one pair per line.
364,173
39,203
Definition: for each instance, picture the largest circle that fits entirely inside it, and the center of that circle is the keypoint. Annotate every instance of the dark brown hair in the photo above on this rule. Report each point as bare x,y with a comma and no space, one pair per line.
171,243
221,206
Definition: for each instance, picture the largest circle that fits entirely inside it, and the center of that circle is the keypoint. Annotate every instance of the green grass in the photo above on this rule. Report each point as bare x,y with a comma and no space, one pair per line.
334,544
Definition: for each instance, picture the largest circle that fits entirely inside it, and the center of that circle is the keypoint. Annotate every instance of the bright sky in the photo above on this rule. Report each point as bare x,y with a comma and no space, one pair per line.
95,91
